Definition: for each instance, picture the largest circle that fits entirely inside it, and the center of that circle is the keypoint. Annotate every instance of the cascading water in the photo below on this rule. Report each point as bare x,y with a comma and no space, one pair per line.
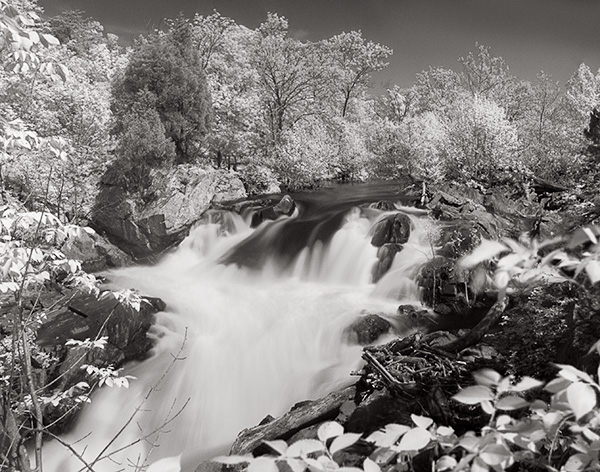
259,316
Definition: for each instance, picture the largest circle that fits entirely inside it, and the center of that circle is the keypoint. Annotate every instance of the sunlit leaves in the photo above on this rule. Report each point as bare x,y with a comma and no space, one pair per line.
582,398
343,441
329,430
474,395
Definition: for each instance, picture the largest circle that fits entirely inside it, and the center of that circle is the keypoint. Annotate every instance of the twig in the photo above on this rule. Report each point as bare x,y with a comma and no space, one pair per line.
370,358
176,357
73,451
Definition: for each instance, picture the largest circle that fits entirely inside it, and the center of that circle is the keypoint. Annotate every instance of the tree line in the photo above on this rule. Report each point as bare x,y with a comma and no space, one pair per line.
205,90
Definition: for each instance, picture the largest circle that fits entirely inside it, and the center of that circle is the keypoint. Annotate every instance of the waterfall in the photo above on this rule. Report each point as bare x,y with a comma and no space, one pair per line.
259,317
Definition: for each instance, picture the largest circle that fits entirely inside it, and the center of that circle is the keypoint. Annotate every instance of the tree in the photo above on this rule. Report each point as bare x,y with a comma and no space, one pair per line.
238,121
289,73
77,33
483,144
210,33
168,66
143,143
435,89
355,59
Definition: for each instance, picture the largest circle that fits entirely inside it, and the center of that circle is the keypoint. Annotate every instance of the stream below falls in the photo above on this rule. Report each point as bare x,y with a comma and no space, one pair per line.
239,340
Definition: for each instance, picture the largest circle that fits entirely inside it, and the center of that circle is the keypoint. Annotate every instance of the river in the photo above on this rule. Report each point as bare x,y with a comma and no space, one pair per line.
257,320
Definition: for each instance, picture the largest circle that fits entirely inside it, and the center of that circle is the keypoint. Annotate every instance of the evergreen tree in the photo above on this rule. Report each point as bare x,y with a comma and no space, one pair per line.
167,66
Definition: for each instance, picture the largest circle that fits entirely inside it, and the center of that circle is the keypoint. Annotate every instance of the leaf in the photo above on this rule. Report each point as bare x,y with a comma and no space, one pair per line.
580,236
479,465
328,430
371,466
469,443
576,463
487,377
314,465
582,398
278,446
473,395
592,268
304,447
415,440
389,435
343,441
297,465
232,460
445,431
263,464
526,383
488,407
485,251
511,403
590,234
48,39
445,463
571,373
422,421
558,384
495,455
168,464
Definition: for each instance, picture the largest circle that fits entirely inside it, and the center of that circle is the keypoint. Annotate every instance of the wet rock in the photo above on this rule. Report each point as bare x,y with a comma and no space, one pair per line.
392,229
147,224
384,205
286,206
268,211
221,218
376,411
410,319
385,254
368,329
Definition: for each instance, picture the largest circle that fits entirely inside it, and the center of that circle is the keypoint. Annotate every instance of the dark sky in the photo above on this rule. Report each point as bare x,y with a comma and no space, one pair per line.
531,35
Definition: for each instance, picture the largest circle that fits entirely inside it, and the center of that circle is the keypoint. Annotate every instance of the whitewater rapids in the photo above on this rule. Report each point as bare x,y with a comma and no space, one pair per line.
238,344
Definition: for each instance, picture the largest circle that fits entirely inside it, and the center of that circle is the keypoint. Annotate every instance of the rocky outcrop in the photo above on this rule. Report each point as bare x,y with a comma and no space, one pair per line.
80,317
145,225
95,252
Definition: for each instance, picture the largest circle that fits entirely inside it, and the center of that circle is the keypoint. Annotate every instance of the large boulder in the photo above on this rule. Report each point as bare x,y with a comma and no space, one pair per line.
391,229
82,316
145,225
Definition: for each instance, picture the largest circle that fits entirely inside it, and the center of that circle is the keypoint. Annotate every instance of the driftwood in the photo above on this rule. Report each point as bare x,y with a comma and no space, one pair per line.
284,427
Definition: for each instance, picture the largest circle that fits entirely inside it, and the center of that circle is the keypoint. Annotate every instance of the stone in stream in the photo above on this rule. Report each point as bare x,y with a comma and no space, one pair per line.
385,254
285,206
391,229
369,327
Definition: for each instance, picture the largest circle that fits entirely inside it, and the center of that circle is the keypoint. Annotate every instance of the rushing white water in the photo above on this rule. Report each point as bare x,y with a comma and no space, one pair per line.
252,342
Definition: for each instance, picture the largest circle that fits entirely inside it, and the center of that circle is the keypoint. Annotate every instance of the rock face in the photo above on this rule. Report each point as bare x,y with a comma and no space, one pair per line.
94,252
82,316
145,226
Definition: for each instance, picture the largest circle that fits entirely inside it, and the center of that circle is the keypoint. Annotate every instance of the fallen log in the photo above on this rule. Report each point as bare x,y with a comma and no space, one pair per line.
284,427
